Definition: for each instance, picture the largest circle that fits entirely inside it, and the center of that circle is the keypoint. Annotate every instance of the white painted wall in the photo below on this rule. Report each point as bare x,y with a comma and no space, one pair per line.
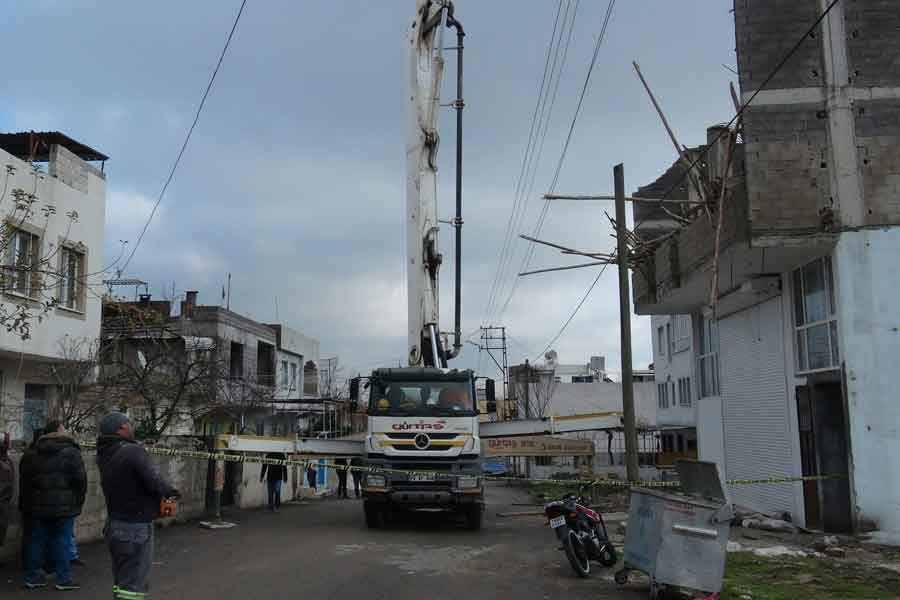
585,398
670,365
19,360
867,284
91,209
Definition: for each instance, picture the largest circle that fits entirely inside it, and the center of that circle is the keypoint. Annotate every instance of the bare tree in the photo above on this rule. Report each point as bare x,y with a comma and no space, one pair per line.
532,387
158,371
80,400
239,398
27,270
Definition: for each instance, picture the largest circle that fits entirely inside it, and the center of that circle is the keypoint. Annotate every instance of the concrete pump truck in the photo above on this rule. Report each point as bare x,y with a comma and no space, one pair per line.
424,417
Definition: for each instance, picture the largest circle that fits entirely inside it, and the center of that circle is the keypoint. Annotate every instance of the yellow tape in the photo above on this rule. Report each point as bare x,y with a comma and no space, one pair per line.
244,458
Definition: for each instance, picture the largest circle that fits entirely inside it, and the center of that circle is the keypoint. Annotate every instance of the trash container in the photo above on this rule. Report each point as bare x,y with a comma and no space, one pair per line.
680,538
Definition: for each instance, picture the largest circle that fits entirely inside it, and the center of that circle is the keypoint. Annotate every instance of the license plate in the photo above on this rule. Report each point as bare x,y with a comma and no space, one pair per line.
557,522
420,477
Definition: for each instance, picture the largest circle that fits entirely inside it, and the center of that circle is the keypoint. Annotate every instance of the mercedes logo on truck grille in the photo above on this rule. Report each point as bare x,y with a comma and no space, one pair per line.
422,441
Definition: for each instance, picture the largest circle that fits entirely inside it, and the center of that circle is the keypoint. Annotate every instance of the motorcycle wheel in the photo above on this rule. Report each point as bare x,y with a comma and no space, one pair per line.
608,556
577,554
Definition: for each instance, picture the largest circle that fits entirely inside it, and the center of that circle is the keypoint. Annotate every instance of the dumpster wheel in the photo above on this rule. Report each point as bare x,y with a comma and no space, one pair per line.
621,577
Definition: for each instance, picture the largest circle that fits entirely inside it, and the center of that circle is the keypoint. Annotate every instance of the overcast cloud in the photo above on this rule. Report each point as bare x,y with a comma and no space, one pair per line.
294,179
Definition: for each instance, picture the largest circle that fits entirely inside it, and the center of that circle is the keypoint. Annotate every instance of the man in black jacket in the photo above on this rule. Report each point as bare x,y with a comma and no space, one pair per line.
274,475
133,489
52,485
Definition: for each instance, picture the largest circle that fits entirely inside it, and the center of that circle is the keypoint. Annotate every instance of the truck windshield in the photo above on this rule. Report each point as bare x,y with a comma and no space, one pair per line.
413,398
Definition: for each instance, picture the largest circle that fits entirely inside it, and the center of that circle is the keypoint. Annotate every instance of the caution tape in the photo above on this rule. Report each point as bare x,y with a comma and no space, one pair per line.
320,463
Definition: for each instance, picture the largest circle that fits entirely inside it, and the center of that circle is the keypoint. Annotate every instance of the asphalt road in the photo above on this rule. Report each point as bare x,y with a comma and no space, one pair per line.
322,549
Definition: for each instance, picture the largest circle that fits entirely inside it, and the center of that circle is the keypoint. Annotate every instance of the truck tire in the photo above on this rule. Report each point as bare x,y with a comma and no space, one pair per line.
374,515
474,516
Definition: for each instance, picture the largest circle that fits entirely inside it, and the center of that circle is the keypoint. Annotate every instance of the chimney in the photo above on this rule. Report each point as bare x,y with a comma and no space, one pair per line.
716,155
188,304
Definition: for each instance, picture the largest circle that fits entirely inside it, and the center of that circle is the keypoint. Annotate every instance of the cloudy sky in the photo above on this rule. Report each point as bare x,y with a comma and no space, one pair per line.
294,178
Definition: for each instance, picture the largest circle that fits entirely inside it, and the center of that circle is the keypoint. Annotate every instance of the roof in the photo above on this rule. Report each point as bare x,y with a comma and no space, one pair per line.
35,145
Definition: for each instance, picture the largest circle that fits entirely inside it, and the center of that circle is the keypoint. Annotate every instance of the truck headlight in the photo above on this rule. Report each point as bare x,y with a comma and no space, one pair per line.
464,483
375,480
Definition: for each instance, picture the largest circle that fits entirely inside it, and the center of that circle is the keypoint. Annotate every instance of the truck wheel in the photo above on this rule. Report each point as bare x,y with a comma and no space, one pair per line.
474,516
374,515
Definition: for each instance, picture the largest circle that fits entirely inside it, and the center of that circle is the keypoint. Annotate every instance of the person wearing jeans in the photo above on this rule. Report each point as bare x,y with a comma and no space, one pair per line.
133,490
274,475
52,486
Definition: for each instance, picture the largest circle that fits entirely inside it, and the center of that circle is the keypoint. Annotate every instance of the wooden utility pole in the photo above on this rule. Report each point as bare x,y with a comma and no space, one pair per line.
631,449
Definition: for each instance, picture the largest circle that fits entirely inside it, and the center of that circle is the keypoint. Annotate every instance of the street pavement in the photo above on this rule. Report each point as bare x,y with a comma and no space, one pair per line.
322,549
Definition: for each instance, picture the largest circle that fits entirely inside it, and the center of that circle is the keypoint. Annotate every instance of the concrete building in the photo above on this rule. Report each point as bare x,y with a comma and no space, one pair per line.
673,365
52,263
793,353
293,351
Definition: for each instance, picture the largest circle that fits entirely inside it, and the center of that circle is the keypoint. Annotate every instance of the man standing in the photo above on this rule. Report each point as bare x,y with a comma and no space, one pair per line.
355,464
52,485
133,489
7,478
311,476
276,475
342,477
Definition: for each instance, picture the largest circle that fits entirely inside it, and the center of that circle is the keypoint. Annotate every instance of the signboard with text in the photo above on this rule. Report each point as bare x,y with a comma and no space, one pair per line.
537,446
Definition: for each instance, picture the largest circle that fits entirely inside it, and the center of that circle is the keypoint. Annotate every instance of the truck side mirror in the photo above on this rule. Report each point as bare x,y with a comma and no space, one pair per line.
354,392
490,396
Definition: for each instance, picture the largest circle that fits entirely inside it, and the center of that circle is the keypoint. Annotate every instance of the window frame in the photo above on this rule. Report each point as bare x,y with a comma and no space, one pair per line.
802,327
708,354
77,289
18,270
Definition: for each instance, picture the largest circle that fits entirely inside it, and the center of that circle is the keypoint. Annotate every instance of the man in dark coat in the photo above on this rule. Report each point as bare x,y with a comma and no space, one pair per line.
52,486
133,490
7,479
274,475
355,464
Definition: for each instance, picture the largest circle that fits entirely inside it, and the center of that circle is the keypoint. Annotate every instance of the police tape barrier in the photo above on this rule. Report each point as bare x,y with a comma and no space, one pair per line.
320,463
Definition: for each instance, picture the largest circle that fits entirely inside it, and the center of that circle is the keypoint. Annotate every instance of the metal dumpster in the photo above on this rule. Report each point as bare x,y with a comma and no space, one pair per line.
680,538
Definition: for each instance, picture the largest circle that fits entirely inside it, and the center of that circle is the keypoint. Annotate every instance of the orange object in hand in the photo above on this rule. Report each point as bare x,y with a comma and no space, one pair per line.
167,508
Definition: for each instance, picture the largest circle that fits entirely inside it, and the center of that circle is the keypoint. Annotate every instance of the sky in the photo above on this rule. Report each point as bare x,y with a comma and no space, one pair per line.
294,179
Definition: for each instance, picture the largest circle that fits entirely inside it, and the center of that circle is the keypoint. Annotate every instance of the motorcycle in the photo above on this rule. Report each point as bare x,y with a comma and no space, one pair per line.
582,533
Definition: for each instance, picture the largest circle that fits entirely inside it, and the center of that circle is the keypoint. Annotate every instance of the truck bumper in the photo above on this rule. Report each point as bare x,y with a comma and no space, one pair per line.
424,497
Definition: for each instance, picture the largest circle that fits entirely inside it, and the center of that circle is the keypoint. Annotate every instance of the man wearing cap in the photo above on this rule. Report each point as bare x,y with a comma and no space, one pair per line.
133,489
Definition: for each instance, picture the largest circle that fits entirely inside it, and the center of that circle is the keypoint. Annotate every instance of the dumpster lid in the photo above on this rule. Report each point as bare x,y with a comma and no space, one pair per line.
701,479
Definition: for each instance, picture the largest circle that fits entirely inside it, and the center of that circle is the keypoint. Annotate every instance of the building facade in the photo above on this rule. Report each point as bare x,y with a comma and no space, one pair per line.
54,205
793,311
673,366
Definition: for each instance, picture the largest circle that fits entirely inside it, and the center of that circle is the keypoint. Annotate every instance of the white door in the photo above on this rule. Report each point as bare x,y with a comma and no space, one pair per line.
755,409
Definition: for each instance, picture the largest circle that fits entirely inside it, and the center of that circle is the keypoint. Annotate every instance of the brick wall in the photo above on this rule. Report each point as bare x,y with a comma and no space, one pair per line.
873,45
787,167
765,30
878,144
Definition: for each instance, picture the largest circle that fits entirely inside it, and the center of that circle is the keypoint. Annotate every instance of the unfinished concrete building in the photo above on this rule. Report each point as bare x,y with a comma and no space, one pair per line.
795,325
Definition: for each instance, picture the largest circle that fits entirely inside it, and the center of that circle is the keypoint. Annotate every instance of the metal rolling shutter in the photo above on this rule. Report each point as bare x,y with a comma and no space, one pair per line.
755,409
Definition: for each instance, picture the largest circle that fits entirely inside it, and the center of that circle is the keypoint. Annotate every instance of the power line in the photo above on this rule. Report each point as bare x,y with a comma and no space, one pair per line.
529,253
574,312
187,138
508,238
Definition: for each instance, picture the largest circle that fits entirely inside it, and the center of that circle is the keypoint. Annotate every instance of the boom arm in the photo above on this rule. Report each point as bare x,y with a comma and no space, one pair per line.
424,261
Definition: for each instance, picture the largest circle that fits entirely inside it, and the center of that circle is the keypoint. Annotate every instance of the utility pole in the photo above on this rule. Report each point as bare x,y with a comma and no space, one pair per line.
631,457
527,389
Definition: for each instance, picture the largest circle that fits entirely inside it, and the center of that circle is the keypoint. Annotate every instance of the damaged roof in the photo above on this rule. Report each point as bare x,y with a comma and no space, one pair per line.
35,145
674,175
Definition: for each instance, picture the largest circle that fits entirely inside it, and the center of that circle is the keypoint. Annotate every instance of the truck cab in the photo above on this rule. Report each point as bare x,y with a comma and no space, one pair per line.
423,420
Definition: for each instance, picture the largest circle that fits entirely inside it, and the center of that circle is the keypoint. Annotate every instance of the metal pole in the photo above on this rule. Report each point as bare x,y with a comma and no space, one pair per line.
631,449
458,223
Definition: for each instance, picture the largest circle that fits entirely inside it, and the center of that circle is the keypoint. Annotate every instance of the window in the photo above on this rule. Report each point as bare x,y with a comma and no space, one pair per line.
670,340
21,256
662,391
293,376
71,275
284,374
815,320
661,344
236,364
684,391
709,357
682,333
